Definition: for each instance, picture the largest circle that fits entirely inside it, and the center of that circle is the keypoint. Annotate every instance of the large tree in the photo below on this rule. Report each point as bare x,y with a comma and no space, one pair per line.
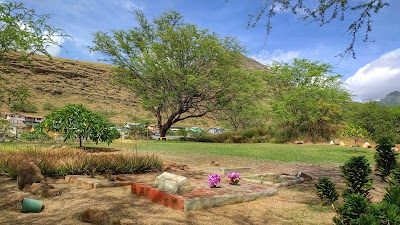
177,70
77,122
358,13
307,99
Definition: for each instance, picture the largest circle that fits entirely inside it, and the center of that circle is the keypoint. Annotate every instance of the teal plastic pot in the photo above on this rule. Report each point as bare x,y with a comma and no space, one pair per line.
31,205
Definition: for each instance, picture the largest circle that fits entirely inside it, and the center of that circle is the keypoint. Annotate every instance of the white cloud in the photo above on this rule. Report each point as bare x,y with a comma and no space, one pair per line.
128,4
279,55
378,78
54,50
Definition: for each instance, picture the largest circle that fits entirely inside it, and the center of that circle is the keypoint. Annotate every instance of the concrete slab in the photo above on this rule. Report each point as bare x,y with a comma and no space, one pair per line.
223,170
91,183
202,196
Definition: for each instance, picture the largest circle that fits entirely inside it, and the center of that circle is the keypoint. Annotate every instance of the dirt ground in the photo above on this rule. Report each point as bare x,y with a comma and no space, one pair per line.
292,205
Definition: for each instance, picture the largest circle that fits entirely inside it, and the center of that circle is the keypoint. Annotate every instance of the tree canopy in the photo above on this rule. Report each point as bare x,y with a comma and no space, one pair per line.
307,100
23,33
323,12
77,122
177,70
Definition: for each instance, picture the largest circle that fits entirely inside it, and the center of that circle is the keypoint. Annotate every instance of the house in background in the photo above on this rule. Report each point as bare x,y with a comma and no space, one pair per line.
23,122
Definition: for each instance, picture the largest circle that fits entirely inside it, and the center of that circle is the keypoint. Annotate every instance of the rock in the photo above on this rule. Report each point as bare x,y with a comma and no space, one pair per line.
29,174
172,183
216,164
331,143
298,142
366,145
342,143
43,189
49,193
395,149
305,176
336,142
98,217
167,168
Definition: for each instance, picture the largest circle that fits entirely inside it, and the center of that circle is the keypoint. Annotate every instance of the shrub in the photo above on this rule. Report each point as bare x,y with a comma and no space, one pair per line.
392,195
385,157
356,175
61,162
354,206
24,107
49,106
394,177
326,190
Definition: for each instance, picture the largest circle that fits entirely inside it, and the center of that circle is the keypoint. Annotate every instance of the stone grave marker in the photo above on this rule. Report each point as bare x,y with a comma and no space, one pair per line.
172,183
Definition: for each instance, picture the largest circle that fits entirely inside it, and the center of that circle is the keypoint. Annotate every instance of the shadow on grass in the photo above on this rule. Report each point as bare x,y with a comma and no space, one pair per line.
99,149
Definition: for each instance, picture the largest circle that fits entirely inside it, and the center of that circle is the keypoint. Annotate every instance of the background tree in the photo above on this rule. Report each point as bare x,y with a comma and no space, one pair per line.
378,120
5,130
177,70
306,101
324,12
355,132
247,109
75,121
18,100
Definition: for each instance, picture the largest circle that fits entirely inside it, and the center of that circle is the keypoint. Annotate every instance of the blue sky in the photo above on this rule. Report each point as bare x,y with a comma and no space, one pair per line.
373,74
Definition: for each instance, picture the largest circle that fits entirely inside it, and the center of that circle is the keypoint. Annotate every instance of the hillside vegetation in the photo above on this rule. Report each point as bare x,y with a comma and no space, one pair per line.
61,81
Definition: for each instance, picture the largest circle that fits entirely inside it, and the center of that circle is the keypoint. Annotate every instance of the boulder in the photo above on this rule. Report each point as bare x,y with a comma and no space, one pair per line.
28,174
336,141
331,143
172,183
98,217
366,145
342,143
298,142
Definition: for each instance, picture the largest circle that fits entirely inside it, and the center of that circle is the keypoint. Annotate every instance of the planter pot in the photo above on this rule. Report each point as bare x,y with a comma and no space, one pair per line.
31,205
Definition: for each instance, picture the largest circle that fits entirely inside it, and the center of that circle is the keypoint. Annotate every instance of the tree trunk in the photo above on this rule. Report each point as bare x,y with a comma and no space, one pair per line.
164,128
80,142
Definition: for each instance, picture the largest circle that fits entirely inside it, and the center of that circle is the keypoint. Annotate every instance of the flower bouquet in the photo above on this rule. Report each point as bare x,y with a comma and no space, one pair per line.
235,178
213,180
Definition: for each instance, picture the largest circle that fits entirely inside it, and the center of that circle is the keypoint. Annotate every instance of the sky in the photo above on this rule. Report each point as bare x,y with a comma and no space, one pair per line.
371,76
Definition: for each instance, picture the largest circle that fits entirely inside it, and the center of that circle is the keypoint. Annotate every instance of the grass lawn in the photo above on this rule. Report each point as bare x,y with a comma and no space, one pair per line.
310,154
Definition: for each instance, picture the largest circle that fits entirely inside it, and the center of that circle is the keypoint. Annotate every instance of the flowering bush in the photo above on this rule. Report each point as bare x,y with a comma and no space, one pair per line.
213,180
235,177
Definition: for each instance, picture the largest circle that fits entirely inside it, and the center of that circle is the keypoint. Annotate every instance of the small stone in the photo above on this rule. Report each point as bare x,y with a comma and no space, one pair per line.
366,145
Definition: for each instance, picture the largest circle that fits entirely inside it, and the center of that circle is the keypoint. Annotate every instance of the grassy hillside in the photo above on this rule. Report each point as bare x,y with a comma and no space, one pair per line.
61,81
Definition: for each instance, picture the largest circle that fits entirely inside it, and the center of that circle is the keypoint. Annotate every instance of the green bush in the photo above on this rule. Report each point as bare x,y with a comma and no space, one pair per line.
49,106
245,136
392,195
356,173
326,190
354,206
385,157
24,107
394,177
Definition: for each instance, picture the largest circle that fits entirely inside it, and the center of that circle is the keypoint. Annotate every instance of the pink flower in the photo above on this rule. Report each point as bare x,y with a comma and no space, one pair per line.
214,179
